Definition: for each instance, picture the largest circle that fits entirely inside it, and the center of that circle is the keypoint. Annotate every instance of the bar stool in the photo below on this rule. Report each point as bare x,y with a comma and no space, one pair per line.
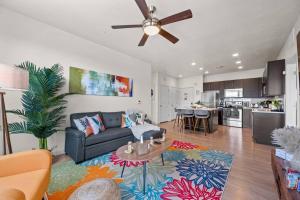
202,115
187,114
178,117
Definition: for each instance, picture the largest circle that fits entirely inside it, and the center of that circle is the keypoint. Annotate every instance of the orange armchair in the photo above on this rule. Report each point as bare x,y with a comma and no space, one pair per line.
25,174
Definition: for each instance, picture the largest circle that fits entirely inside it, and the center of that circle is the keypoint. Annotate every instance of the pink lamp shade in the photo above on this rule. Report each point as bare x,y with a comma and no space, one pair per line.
13,78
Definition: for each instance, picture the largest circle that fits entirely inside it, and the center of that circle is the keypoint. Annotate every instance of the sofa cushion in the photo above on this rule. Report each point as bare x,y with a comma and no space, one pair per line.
81,115
107,135
112,119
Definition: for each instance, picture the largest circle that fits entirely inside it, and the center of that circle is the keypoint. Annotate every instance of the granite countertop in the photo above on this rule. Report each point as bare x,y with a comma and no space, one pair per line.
262,111
203,108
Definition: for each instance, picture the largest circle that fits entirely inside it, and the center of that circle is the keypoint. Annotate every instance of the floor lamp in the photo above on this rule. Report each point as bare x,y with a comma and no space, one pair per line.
11,78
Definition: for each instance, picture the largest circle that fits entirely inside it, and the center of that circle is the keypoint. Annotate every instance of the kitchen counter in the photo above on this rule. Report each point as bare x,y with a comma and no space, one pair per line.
269,112
262,110
200,108
263,124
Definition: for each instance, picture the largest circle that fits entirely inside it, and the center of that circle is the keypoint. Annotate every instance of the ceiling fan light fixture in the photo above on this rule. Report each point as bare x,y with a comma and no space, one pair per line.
151,26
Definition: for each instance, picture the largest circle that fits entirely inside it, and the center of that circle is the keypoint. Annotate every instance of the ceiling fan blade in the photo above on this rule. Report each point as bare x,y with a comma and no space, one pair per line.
127,26
143,40
143,7
177,17
168,36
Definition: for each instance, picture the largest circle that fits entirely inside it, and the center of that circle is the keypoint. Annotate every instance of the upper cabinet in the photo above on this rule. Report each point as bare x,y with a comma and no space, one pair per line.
271,84
228,84
238,83
252,88
274,79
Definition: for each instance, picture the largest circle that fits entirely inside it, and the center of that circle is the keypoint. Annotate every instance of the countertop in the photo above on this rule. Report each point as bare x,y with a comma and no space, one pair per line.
260,110
271,112
203,108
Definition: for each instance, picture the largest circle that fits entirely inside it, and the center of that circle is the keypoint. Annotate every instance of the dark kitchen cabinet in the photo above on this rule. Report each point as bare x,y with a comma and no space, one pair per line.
220,116
274,78
228,84
252,88
210,86
263,125
214,86
206,87
238,83
221,89
247,118
260,87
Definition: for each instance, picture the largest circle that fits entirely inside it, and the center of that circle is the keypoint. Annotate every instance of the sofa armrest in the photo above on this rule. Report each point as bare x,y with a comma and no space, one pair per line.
25,162
75,133
11,194
75,144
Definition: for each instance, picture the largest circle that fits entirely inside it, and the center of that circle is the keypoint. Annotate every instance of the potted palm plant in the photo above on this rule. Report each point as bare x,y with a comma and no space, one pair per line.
43,104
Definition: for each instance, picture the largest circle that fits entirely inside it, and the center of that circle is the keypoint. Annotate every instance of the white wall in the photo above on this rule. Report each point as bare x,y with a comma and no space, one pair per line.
166,80
23,38
195,82
289,52
234,75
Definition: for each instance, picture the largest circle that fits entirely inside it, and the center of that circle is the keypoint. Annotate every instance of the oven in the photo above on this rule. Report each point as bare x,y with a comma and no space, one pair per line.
233,115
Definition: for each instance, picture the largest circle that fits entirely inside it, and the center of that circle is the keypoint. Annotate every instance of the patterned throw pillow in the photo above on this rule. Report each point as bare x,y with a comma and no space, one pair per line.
83,125
140,118
96,124
127,122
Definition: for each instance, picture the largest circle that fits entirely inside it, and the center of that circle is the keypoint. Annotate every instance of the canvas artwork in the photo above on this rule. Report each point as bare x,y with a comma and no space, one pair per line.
93,83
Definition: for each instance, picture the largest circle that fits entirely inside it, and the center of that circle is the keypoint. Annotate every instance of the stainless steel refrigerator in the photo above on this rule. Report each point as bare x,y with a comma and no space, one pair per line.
210,99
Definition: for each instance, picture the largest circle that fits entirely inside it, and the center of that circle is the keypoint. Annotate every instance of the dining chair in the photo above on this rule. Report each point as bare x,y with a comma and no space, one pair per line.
178,117
187,115
202,115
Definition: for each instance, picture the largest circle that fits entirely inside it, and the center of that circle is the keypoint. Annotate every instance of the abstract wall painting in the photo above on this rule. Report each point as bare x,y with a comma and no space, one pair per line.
93,83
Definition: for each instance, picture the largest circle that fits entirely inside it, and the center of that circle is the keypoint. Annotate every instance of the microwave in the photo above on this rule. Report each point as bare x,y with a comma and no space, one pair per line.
238,92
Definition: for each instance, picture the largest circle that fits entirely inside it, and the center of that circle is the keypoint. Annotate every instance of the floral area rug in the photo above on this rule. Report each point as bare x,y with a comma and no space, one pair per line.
190,172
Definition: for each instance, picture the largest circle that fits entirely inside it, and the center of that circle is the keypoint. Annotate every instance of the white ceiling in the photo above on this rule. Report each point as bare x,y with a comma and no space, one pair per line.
257,29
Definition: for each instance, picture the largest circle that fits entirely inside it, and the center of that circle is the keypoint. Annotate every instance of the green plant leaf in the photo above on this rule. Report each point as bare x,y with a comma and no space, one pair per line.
18,127
43,104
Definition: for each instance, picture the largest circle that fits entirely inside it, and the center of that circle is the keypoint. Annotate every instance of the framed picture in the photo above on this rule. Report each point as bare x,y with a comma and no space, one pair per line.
94,83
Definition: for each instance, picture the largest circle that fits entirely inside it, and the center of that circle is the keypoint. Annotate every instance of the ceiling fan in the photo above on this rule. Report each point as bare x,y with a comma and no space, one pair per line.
153,26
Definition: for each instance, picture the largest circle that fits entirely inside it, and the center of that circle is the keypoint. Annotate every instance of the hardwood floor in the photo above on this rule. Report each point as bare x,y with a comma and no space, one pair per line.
251,175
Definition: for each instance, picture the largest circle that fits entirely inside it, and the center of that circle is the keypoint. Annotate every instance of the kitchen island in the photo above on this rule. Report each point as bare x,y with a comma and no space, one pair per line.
263,124
212,120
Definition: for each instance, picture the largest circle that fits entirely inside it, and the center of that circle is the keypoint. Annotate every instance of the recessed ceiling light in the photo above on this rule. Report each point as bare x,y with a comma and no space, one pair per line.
201,68
240,67
180,76
193,63
235,55
206,72
238,62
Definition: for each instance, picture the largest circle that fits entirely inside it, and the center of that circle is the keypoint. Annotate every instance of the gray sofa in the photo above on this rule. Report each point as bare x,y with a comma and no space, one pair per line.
81,148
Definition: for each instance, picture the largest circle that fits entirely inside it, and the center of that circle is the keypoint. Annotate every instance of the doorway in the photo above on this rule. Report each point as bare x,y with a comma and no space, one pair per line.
167,103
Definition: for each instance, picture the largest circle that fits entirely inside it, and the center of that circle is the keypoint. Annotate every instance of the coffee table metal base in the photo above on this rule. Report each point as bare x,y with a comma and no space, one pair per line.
144,170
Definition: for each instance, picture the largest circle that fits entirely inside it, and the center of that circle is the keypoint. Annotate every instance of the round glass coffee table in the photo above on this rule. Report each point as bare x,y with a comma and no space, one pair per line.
154,151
